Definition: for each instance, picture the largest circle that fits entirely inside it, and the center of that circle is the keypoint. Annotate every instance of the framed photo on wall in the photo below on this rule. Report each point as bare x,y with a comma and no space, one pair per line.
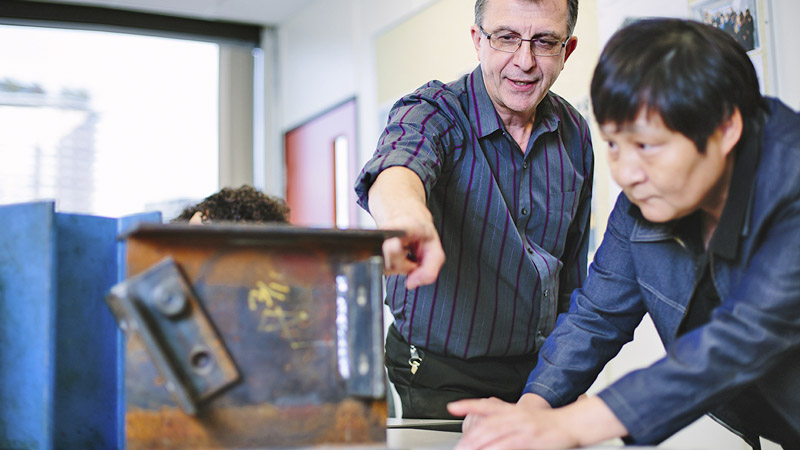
739,18
745,21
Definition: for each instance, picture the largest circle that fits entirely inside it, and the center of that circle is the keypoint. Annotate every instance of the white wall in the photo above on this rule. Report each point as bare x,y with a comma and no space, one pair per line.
318,59
325,54
785,36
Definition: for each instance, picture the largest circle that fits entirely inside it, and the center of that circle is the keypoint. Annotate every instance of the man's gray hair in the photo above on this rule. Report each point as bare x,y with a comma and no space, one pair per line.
572,13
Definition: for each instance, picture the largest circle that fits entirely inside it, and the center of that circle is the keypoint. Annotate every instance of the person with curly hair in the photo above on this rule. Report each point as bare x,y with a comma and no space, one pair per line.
245,204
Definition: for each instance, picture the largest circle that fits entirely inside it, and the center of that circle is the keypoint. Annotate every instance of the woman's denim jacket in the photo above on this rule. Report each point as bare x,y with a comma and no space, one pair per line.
752,340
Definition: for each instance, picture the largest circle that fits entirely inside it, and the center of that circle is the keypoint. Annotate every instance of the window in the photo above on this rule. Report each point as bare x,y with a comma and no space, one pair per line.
107,123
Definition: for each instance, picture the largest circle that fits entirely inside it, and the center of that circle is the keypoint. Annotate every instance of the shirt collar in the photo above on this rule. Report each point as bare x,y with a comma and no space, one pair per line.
487,120
545,113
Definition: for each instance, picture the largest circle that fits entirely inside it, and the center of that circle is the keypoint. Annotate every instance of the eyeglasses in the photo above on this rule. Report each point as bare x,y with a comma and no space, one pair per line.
510,43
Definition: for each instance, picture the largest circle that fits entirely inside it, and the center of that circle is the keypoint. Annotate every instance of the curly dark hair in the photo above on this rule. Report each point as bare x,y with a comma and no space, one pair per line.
245,204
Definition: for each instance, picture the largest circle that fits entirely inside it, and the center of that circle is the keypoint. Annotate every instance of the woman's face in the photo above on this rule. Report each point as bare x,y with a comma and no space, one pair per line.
662,172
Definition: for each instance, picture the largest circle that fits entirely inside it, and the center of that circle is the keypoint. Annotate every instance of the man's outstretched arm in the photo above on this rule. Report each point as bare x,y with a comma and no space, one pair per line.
397,201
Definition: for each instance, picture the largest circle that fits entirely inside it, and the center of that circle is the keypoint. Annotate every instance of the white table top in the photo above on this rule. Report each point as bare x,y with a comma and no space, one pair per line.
428,434
421,434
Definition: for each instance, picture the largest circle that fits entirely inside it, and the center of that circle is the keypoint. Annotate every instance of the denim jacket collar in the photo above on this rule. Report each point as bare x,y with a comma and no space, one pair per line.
734,222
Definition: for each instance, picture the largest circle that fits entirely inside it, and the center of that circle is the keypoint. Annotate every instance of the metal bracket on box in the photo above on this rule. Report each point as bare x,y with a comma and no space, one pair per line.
359,327
161,308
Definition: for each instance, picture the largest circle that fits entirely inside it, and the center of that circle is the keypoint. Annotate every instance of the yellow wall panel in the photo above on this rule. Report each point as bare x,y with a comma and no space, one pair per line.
434,44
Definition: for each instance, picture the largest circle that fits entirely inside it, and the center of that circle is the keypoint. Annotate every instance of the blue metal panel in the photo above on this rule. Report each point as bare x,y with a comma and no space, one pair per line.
61,358
124,225
86,350
27,297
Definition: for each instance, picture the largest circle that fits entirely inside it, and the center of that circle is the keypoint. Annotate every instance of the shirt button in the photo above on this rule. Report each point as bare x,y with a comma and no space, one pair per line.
545,292
525,165
524,211
539,333
530,250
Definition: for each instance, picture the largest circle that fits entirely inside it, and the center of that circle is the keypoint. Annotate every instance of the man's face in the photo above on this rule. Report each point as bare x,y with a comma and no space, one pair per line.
662,172
517,82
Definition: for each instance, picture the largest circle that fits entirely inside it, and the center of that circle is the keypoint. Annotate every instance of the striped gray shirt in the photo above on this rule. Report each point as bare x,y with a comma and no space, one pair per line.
514,226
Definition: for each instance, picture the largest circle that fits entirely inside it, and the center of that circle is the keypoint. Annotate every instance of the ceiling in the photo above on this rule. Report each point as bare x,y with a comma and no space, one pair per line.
259,12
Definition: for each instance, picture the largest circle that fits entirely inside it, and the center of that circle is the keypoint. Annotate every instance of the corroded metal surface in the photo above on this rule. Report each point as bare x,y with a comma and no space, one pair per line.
159,308
271,293
256,426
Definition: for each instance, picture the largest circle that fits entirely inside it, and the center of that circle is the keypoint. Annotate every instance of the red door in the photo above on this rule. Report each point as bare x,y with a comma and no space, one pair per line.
321,169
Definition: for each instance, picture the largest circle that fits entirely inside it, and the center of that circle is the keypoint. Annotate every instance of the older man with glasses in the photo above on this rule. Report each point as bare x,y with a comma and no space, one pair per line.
490,177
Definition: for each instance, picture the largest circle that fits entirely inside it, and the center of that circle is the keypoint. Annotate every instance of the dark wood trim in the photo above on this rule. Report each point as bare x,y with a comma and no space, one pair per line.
110,19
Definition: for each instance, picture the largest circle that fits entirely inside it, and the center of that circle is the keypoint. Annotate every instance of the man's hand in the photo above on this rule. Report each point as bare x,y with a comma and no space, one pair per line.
528,424
509,425
418,253
530,402
397,202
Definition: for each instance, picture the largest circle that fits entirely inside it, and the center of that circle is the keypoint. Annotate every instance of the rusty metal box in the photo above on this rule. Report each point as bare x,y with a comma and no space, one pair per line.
244,336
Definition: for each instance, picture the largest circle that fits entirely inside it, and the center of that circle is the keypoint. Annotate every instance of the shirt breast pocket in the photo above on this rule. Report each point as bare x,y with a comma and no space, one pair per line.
561,210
